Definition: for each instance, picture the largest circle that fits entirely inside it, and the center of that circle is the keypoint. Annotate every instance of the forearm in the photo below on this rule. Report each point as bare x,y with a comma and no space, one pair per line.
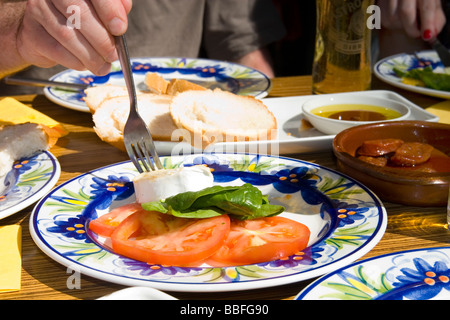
11,14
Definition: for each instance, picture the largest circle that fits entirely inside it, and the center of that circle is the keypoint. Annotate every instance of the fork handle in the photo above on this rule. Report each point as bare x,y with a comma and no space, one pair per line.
122,51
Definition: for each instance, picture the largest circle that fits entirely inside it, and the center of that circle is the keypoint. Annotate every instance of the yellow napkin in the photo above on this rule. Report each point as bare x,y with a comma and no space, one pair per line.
14,112
10,258
442,110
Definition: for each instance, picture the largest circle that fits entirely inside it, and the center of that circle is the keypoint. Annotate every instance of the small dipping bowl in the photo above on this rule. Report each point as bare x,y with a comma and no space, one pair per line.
348,105
393,184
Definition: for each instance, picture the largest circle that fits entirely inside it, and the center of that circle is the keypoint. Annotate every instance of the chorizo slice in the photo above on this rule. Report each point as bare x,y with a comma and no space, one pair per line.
411,154
379,147
376,161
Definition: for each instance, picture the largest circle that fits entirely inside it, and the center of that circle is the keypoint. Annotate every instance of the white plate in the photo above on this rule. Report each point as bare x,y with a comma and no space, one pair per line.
208,73
28,181
384,71
346,220
293,137
138,293
409,275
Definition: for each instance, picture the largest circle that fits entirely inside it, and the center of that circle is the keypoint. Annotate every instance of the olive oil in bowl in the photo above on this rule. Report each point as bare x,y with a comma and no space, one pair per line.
356,112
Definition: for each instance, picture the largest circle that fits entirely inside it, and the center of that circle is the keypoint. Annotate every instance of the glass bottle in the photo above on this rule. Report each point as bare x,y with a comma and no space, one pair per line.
342,54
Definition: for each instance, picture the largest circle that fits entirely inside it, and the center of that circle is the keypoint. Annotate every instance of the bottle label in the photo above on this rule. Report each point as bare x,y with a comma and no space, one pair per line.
344,45
348,31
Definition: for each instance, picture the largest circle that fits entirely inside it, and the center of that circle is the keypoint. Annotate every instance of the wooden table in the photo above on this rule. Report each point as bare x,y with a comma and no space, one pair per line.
81,151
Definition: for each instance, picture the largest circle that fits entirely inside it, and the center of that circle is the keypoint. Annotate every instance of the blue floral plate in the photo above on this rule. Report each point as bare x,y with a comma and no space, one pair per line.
422,274
227,76
383,69
346,221
28,181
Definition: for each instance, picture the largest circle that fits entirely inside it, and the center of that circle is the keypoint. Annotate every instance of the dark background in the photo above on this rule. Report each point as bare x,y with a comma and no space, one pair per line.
293,55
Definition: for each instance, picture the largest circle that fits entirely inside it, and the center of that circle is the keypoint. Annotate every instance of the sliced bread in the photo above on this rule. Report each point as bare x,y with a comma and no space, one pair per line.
112,114
97,94
211,116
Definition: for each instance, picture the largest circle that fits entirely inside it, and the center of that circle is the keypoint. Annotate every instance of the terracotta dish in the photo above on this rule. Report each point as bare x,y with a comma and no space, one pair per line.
395,184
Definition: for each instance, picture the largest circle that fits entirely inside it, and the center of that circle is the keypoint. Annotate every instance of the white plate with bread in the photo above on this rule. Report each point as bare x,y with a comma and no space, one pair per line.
27,170
184,119
208,73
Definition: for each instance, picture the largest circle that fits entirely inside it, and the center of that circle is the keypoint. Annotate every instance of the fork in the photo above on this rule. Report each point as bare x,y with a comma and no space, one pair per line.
136,135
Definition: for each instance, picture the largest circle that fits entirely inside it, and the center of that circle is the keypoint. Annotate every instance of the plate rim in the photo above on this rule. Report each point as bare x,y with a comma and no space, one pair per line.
398,84
312,286
43,190
48,91
216,287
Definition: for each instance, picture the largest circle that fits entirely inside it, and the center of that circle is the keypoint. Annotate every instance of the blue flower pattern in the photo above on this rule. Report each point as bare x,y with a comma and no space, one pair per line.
146,270
422,283
24,180
349,213
71,228
104,192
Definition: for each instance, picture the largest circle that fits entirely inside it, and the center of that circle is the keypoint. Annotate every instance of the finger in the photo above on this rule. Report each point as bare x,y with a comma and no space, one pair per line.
33,42
55,24
432,19
92,29
408,16
127,4
113,14
388,9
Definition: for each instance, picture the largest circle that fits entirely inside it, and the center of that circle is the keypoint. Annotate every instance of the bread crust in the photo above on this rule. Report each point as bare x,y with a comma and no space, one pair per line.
157,84
213,116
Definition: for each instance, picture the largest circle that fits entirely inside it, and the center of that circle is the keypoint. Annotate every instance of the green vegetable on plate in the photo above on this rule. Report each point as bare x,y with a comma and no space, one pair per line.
430,79
241,202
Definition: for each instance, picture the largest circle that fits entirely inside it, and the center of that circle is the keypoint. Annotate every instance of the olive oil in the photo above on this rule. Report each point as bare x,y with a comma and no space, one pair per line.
356,112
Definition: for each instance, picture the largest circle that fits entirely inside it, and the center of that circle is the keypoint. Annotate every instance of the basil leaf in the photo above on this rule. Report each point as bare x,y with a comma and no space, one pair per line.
242,202
155,206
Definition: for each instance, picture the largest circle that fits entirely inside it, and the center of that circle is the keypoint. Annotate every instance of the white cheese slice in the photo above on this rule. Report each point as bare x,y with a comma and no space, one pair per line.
160,184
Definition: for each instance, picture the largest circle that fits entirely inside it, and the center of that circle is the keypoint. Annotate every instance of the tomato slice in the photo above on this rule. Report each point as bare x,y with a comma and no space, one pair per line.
260,240
158,238
107,223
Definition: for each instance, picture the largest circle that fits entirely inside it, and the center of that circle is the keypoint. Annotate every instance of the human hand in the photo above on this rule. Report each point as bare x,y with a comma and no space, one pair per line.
45,40
418,18
259,60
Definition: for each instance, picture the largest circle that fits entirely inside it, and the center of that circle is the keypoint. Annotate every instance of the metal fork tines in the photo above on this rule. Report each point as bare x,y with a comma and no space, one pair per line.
136,135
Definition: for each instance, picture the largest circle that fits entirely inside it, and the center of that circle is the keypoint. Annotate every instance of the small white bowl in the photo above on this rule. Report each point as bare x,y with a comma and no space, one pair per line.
334,126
